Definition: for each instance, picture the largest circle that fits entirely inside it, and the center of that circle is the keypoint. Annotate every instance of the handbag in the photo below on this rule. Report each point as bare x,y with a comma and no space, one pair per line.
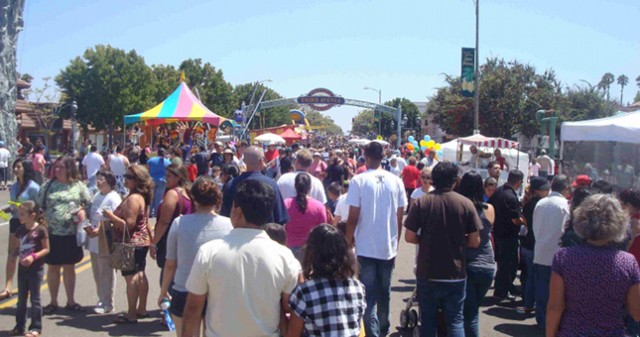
123,253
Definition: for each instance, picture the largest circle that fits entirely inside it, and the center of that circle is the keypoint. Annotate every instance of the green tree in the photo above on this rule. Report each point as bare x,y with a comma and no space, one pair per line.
606,82
623,80
26,77
585,102
215,93
44,103
268,117
321,123
510,94
364,124
167,78
107,83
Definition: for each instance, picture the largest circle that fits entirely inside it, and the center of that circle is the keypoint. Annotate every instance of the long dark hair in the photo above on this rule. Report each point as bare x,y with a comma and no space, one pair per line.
28,173
303,186
328,255
472,187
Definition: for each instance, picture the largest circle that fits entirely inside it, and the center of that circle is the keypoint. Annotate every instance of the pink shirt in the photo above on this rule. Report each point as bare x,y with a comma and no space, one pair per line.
300,225
38,162
317,168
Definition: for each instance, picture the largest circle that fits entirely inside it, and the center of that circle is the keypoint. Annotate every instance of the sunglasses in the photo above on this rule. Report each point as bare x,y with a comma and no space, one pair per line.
129,176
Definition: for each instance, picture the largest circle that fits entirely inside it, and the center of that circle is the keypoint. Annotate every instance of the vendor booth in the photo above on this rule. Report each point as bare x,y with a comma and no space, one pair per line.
458,151
605,148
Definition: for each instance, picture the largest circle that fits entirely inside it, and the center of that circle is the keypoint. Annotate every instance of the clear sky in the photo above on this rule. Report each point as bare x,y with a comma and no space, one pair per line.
401,47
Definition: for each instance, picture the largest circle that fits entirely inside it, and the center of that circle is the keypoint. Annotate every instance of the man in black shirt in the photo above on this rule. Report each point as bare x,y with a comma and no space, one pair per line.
505,233
202,161
539,188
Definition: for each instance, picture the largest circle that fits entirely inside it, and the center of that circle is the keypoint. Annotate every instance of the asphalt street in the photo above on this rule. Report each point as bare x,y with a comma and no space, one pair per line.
495,320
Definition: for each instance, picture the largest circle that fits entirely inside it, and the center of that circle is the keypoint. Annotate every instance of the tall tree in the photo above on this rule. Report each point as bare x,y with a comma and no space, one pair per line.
606,82
638,81
364,124
107,83
167,78
11,24
44,103
623,80
207,81
322,123
585,102
510,95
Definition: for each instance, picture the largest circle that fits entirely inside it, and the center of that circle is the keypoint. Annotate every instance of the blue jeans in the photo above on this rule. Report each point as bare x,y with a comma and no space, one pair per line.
375,275
446,295
158,193
29,281
530,282
507,261
478,283
543,276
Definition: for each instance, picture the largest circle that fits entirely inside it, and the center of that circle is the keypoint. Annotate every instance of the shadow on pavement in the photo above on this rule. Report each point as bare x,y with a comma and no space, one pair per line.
408,281
104,323
402,288
506,313
519,330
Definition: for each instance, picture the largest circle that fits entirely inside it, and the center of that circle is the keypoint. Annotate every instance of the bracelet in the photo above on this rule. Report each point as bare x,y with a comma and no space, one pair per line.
34,256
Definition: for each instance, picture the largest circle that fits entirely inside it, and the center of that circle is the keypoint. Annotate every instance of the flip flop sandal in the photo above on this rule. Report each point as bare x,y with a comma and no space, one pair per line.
123,319
50,309
74,307
32,333
5,294
142,316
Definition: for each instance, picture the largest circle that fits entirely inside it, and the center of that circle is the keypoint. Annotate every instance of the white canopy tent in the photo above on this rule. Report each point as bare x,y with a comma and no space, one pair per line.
605,148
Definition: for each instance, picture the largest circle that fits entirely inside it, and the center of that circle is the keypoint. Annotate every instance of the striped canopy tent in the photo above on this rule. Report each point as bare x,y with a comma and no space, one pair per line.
181,105
491,142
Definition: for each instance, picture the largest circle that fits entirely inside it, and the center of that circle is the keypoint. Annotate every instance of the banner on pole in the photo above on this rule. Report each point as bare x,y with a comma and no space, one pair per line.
468,73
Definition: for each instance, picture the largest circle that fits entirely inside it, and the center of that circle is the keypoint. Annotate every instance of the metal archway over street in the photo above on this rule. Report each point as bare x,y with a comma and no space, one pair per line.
322,99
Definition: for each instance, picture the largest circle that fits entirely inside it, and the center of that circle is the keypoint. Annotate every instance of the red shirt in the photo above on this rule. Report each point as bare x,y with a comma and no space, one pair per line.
410,175
193,172
361,169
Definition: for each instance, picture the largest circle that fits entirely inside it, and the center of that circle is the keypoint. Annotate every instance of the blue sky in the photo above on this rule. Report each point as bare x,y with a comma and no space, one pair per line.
400,47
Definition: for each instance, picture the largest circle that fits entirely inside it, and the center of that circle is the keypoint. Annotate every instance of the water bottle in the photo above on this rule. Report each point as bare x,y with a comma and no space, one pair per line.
81,235
167,316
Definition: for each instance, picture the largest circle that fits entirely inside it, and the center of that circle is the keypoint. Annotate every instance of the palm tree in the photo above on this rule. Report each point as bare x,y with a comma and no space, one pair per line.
638,81
623,80
606,81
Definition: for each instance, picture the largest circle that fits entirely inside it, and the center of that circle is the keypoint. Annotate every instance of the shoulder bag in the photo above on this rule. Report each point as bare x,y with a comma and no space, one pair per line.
123,253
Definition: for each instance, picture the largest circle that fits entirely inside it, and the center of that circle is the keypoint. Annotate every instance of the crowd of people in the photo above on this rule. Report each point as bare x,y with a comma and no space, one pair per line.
266,240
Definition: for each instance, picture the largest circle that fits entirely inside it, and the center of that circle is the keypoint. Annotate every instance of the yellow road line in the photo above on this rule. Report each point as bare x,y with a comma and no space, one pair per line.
81,266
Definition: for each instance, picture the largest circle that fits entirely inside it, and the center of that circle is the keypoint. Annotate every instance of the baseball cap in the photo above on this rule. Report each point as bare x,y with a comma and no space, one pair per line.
539,184
228,151
582,179
317,154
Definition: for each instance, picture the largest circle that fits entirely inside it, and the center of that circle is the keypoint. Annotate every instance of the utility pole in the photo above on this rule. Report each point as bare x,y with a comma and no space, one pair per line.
476,97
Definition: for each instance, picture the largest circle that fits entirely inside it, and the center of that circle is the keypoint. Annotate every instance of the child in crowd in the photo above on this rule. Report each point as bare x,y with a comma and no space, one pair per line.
34,246
192,168
331,301
276,232
215,174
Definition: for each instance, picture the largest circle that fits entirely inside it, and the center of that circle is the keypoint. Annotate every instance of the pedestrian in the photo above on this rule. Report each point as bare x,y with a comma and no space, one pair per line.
546,169
539,189
118,164
302,163
92,163
410,175
59,198
202,161
490,186
331,300
480,261
591,283
34,246
441,272
4,165
175,202
506,230
242,261
494,169
185,236
376,200
39,164
318,167
103,274
426,186
254,162
25,188
157,167
304,214
130,221
549,219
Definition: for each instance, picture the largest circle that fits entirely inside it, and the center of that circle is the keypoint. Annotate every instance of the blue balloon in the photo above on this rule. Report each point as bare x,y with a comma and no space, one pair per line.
411,139
427,138
440,154
415,143
423,148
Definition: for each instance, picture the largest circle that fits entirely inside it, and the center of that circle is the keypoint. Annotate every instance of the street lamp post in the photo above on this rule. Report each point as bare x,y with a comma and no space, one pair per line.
476,96
74,109
379,91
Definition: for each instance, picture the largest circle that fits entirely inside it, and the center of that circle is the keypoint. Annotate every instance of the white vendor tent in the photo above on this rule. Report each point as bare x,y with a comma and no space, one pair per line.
605,148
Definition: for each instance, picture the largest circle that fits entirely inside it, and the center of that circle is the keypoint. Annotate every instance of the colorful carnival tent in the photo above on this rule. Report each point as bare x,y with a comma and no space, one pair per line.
181,105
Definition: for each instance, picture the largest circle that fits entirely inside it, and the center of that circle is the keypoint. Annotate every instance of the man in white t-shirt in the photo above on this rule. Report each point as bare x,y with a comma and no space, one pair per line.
376,200
245,278
4,165
546,164
92,163
286,182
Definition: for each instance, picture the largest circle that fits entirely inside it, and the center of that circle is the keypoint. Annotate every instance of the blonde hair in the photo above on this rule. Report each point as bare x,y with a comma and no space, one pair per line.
600,217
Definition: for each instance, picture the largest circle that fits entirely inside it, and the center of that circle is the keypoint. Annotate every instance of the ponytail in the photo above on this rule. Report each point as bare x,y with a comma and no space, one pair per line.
303,186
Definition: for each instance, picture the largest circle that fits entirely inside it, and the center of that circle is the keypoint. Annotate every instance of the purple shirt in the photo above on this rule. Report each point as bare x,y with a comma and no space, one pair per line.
300,224
596,282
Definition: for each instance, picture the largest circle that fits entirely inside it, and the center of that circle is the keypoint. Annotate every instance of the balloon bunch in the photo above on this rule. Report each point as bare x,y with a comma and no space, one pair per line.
425,145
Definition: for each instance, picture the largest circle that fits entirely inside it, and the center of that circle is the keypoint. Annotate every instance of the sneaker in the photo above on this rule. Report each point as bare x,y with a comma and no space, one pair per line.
525,311
102,309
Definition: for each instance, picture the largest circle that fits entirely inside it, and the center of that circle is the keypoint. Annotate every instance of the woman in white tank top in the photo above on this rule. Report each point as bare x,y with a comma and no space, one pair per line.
118,164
